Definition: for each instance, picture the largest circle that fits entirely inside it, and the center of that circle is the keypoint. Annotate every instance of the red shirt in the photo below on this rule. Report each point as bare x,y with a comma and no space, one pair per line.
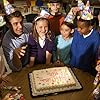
55,22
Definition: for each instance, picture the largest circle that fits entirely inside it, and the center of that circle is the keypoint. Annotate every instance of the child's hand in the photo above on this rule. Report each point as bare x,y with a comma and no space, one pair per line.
29,66
31,62
44,13
58,63
98,67
99,17
75,10
46,16
97,78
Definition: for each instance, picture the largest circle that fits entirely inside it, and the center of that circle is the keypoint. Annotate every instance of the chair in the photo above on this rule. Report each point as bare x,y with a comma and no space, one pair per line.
30,17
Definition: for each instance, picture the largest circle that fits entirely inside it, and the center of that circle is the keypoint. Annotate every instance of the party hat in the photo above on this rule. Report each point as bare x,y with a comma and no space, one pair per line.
80,4
8,7
2,22
44,12
86,14
38,17
70,17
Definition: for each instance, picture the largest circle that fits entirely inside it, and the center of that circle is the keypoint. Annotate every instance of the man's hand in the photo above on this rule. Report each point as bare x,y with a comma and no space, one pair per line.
17,54
20,51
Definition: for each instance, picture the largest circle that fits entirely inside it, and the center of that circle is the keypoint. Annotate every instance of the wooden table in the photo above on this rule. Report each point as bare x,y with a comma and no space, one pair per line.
21,79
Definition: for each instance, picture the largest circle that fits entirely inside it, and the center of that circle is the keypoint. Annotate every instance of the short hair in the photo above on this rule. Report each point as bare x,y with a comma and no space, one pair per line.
70,25
54,1
87,22
14,14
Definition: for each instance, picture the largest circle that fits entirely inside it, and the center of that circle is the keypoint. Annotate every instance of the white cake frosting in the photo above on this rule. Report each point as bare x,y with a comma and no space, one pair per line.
52,78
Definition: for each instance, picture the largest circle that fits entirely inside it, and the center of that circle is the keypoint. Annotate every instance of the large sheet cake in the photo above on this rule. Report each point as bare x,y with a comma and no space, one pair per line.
52,80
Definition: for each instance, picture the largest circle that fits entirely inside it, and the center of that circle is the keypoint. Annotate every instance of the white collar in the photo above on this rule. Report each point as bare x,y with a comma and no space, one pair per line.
41,42
85,36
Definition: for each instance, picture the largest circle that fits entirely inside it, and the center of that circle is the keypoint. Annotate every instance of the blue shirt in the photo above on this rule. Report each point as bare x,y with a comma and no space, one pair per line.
10,42
84,50
63,49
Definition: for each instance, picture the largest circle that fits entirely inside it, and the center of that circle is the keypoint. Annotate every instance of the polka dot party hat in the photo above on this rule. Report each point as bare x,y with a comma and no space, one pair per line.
80,4
8,7
70,17
86,13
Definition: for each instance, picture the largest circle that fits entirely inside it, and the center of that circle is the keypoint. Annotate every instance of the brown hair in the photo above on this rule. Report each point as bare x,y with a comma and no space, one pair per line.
34,31
70,25
14,14
87,22
55,1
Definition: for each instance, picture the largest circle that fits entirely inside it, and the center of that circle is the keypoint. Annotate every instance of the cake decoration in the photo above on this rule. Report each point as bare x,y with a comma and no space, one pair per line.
53,80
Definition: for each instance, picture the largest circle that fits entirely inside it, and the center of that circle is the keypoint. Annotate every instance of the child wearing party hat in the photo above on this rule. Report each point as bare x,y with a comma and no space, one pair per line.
63,42
54,16
85,43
